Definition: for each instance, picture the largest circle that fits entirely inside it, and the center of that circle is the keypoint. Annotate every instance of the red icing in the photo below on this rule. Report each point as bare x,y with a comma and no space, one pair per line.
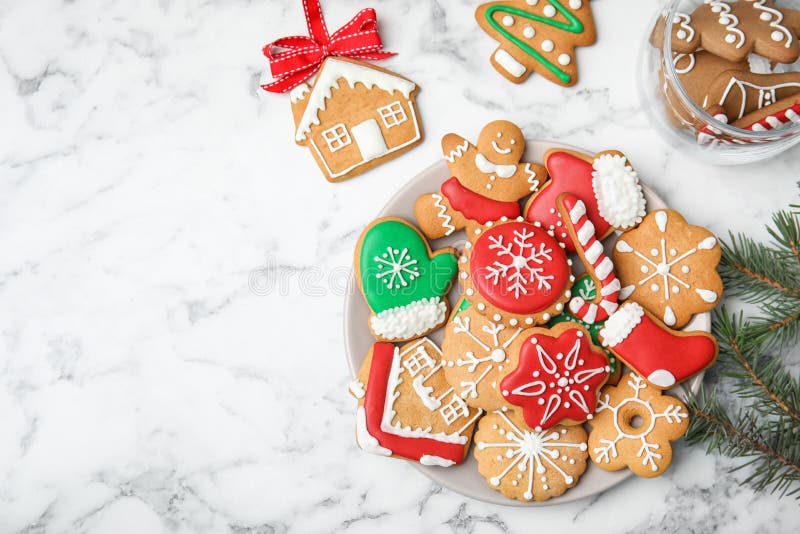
556,379
374,402
477,207
568,174
539,282
652,346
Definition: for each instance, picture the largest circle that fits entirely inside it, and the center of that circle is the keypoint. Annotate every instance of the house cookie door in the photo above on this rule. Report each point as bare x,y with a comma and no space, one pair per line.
369,138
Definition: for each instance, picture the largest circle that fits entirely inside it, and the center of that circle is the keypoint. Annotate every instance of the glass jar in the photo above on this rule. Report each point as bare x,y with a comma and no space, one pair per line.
686,124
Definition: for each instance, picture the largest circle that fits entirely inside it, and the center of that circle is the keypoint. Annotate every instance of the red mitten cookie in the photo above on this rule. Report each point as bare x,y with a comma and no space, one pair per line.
605,182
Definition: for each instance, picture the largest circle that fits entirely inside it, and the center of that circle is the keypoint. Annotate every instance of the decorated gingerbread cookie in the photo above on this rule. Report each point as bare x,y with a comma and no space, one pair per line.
740,94
354,115
633,427
593,256
404,283
584,288
538,36
554,376
475,350
407,409
529,465
487,181
669,267
734,29
662,355
516,273
605,182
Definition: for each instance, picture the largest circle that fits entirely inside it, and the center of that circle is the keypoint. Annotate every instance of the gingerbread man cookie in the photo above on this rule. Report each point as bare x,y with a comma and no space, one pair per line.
515,272
669,267
404,283
486,184
554,376
475,350
538,36
742,94
633,427
407,409
529,465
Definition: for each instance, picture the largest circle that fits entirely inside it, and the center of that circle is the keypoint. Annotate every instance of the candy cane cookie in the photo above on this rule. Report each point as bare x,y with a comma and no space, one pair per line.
593,256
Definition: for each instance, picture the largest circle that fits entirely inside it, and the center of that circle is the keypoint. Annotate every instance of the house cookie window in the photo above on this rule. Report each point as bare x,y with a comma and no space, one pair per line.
454,409
392,114
337,137
417,361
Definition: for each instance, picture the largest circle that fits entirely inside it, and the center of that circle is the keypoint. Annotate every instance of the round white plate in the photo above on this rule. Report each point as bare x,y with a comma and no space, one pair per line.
464,478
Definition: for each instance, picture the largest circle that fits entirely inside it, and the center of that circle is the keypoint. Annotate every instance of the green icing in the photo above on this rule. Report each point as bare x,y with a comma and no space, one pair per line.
573,25
584,287
395,268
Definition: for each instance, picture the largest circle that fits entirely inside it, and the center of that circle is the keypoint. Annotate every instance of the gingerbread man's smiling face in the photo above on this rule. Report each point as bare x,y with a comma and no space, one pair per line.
502,143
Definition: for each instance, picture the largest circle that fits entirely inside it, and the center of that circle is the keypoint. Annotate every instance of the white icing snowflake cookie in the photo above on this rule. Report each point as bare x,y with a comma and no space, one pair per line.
475,352
669,267
516,272
633,427
526,465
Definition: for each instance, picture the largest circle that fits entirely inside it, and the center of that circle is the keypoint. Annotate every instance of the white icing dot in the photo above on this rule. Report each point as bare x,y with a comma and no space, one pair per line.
681,34
673,252
481,306
654,252
575,4
549,11
685,269
528,32
528,321
766,16
776,36
496,317
508,20
730,38
675,289
531,2
513,322
548,45
653,287
564,59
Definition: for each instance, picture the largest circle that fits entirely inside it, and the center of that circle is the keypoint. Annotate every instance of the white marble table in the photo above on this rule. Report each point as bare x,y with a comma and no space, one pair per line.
161,235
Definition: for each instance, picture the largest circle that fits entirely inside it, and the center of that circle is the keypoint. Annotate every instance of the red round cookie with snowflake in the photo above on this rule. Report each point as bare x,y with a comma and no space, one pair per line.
557,376
518,269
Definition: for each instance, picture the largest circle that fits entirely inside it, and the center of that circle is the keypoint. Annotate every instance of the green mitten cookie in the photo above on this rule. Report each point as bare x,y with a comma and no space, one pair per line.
404,283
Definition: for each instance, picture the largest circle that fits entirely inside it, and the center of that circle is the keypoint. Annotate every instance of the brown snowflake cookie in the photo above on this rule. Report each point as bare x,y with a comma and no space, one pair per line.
633,427
475,351
407,409
733,30
527,465
669,267
515,272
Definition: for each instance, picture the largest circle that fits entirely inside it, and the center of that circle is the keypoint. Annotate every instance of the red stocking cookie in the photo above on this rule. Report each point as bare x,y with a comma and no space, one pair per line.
593,255
555,376
407,409
606,183
516,272
487,181
663,356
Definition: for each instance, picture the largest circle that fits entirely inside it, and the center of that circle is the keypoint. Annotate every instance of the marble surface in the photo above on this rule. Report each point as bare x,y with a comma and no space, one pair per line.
173,271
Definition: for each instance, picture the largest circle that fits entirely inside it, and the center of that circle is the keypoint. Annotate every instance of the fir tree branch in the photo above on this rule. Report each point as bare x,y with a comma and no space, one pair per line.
775,464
